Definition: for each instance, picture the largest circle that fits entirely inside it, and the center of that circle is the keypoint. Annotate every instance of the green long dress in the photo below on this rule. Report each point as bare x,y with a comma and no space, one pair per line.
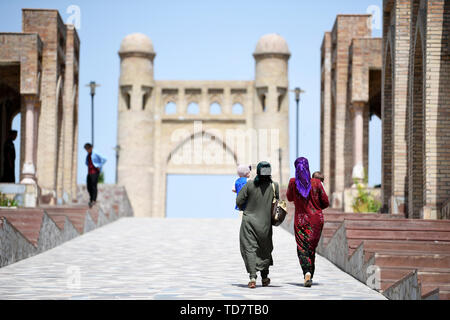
256,227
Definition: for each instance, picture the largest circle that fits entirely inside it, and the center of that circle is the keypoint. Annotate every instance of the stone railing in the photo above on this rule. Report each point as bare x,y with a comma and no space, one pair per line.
25,232
110,198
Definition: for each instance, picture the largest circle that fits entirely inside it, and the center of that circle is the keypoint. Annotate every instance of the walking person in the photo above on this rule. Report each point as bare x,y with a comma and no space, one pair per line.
255,235
310,199
94,162
9,158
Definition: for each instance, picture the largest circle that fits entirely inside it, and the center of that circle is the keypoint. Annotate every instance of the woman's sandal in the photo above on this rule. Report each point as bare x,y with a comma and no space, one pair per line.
308,281
265,282
252,284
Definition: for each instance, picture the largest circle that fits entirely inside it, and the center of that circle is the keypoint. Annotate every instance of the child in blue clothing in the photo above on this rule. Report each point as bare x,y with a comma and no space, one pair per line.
244,173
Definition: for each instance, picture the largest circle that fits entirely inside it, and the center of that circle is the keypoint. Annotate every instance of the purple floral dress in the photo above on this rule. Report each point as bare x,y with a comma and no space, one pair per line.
308,221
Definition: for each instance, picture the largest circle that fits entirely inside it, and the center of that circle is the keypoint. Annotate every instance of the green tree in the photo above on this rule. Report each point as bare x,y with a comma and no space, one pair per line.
365,201
6,202
101,177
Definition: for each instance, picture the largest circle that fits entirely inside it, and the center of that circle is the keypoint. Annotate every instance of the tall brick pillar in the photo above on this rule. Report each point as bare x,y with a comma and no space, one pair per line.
436,115
51,29
325,110
346,27
396,40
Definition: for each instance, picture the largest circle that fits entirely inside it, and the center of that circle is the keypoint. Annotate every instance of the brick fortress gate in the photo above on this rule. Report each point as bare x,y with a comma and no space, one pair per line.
212,126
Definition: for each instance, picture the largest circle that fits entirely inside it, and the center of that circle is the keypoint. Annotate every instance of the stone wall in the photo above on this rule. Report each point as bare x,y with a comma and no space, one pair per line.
415,107
26,232
111,198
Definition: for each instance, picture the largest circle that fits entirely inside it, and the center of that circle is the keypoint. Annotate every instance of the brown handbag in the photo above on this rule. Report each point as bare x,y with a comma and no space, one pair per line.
279,209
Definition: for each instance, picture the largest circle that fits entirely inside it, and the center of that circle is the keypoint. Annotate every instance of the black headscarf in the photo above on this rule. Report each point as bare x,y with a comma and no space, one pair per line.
261,178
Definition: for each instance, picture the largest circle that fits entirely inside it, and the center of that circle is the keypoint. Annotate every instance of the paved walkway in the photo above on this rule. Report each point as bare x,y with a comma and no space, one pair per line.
143,258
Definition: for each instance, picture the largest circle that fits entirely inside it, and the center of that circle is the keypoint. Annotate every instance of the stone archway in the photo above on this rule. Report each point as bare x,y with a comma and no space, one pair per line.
199,154
211,138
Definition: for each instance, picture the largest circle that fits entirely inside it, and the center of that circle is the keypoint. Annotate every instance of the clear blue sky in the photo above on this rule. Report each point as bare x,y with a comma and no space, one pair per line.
200,40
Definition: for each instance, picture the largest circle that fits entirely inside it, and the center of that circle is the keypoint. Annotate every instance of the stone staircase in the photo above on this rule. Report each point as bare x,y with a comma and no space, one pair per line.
410,258
25,232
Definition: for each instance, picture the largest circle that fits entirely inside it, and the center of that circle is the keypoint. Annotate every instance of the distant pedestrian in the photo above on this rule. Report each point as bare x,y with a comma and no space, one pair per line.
310,199
255,236
94,162
9,158
318,175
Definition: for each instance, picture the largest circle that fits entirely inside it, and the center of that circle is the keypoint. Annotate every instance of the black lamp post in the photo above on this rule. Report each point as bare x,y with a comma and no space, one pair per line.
297,92
117,149
280,161
92,85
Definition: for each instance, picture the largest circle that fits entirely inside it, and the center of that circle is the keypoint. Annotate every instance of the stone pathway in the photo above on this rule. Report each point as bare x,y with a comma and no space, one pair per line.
143,258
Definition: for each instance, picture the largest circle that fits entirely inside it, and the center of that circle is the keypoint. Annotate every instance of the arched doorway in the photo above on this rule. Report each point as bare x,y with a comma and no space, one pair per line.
191,190
10,107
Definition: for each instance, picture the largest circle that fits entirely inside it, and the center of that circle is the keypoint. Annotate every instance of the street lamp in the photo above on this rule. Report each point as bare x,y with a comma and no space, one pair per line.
117,149
92,85
279,163
297,92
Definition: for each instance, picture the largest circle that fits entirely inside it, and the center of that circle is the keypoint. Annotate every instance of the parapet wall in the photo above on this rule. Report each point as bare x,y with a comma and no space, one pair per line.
25,232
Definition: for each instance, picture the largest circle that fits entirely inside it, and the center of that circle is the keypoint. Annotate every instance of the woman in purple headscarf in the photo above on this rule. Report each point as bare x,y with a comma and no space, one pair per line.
310,199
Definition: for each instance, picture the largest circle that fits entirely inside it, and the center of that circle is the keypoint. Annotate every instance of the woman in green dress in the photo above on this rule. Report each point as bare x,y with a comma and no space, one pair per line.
256,227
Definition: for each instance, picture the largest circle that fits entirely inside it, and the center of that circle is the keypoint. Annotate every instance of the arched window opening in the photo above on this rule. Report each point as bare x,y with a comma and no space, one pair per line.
171,108
215,108
237,109
193,108
146,94
263,102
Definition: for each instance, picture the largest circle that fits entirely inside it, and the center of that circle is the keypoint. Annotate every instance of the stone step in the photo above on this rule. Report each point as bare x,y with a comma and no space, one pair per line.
406,246
444,289
399,224
27,221
393,274
413,261
398,235
444,294
94,213
433,277
405,252
341,216
59,220
76,215
76,218
430,275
